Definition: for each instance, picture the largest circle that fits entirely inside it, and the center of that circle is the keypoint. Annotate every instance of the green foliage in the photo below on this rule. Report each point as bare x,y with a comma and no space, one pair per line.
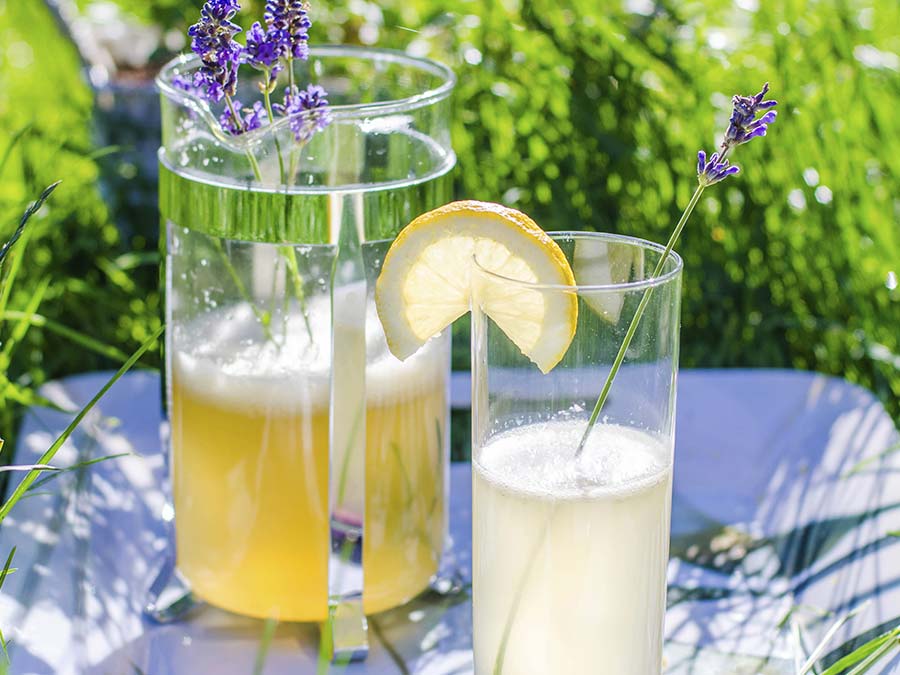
35,472
587,118
45,109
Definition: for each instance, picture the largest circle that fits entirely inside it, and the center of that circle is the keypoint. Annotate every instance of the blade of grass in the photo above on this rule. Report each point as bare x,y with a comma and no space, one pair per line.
7,570
263,318
14,141
132,259
28,467
38,493
116,275
30,211
875,656
290,257
859,466
107,150
798,647
829,634
517,599
58,471
21,326
6,567
862,652
325,665
345,462
32,476
80,339
7,281
265,644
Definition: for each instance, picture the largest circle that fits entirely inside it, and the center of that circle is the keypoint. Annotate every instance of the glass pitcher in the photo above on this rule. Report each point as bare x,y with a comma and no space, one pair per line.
309,466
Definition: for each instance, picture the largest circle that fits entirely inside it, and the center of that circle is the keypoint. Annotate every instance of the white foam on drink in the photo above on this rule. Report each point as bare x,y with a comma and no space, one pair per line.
539,460
221,357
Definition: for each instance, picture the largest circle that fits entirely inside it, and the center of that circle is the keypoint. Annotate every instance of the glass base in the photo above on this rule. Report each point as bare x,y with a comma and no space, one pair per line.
169,597
346,634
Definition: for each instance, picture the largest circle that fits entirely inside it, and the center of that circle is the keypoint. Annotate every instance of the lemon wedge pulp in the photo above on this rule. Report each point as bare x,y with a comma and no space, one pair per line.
426,282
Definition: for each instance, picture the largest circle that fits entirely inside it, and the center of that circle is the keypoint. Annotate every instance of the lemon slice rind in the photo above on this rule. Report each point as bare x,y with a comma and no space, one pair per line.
426,281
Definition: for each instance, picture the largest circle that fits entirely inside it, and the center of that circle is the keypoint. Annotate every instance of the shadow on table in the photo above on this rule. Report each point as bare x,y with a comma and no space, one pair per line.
793,521
773,514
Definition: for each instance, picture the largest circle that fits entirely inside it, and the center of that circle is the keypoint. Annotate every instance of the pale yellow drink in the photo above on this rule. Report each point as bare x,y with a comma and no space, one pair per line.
250,450
572,559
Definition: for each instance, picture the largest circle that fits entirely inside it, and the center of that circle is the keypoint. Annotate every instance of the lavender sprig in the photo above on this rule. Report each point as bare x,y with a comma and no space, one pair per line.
212,39
743,127
238,120
307,110
264,52
289,19
270,48
714,170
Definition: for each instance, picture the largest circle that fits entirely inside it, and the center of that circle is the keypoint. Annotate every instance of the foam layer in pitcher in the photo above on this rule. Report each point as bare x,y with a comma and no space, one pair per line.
219,357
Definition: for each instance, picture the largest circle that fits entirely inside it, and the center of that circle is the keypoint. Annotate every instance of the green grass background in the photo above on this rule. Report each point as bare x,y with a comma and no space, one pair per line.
580,113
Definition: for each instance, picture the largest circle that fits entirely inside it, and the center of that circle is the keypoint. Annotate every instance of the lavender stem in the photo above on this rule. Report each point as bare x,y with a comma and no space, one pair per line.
632,328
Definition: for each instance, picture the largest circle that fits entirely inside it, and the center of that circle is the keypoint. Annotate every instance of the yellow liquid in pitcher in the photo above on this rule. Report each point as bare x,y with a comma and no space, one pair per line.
250,445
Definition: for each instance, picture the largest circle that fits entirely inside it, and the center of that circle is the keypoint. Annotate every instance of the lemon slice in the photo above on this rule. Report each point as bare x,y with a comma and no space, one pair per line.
426,281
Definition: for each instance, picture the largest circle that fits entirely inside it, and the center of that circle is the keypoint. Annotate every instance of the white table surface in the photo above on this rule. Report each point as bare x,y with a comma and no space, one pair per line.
766,516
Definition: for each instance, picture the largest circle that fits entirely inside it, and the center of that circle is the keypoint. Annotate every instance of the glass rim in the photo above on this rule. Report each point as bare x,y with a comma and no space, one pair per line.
639,284
351,110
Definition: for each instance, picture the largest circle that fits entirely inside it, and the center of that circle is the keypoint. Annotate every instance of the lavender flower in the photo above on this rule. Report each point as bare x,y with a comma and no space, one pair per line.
743,127
213,40
290,19
264,48
185,84
307,109
271,46
714,170
264,52
248,118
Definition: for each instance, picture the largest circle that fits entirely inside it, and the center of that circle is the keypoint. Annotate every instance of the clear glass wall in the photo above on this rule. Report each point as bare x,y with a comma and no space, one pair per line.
305,457
570,535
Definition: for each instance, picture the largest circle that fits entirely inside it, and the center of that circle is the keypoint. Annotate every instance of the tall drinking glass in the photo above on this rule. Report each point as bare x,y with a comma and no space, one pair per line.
309,466
570,550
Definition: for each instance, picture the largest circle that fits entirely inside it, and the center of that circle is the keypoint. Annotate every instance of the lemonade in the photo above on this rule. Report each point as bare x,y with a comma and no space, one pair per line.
570,530
250,448
574,553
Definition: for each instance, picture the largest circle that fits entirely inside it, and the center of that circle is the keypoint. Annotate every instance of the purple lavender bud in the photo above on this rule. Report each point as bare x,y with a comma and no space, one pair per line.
307,110
212,39
758,127
742,127
264,48
713,170
254,118
291,19
184,84
248,118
